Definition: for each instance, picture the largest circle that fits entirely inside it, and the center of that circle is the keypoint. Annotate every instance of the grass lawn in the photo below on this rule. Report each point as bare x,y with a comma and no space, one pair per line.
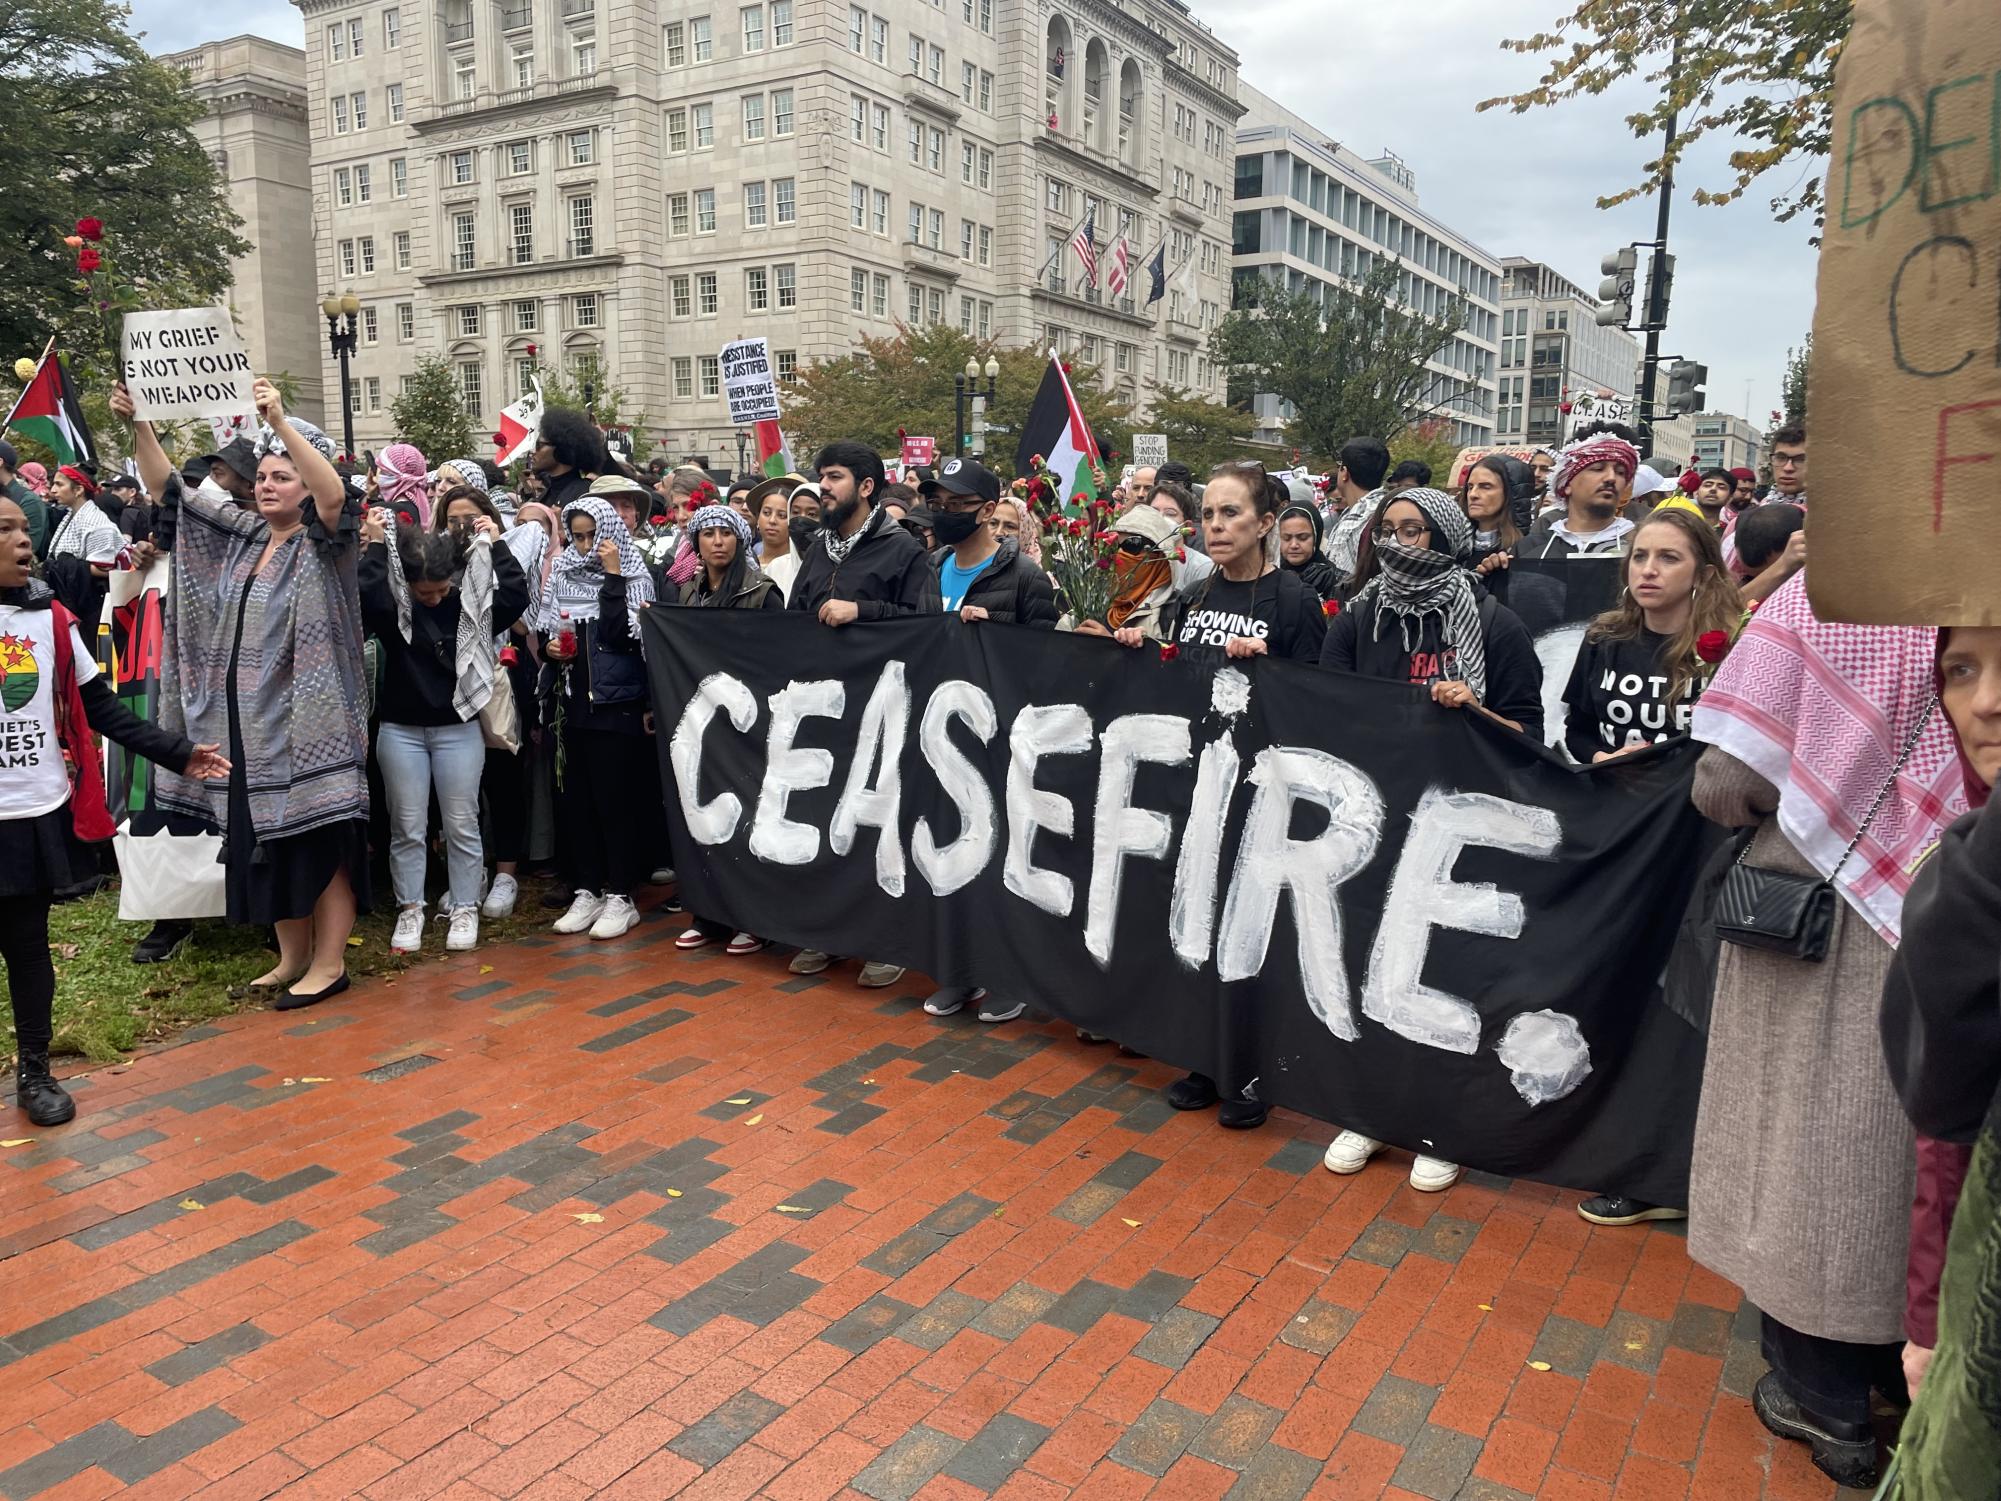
106,1005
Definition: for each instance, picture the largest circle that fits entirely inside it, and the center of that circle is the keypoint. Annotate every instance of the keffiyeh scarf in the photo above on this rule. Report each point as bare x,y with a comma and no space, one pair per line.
1579,457
399,477
474,657
464,472
1420,581
576,579
268,440
839,547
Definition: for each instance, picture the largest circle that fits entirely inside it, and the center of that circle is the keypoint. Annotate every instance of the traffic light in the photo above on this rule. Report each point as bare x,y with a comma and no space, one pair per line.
1685,382
1660,282
1615,292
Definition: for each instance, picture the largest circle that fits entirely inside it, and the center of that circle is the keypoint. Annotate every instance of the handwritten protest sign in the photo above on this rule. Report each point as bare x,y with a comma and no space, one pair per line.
748,382
1149,449
1904,397
185,364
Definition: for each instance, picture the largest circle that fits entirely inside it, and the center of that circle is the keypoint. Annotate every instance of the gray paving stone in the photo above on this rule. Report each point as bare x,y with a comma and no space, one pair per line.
204,1356
999,1449
1237,1432
933,1325
1014,1310
1176,1337
65,1461
401,1068
632,1032
1568,1345
1153,1295
172,1444
1275,1475
1319,1326
1396,1410
1383,1243
879,1316
1082,1306
1158,1436
1630,1340
1445,1237
1438,1462
907,1466
719,1435
1298,1157
1703,1331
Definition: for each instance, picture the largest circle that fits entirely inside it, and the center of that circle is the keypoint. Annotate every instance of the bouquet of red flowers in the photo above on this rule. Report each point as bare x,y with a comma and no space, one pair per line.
1078,545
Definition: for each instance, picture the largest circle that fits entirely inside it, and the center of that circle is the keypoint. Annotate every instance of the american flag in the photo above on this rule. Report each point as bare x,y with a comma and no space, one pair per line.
1085,243
1117,274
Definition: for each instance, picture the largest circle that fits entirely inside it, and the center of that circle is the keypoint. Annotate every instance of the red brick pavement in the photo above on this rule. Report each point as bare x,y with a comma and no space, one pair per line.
568,1219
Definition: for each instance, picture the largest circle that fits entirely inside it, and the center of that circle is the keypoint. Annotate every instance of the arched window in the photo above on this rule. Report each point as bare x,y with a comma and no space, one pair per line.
1132,118
1097,79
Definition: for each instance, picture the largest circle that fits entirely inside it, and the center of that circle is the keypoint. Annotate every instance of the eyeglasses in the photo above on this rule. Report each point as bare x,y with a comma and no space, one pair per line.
1787,460
1410,533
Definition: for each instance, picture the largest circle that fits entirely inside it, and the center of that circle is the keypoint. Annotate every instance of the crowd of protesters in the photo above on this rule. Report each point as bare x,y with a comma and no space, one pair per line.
368,665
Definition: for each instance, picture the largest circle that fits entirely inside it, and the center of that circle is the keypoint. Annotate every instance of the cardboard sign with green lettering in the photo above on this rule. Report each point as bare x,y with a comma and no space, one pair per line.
1904,399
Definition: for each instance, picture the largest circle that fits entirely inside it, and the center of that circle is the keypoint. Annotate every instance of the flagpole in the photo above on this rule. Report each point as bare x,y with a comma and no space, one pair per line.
1061,247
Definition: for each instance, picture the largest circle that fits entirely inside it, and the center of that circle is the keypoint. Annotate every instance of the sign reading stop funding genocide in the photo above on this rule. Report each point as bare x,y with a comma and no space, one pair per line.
185,364
1904,399
748,382
1149,449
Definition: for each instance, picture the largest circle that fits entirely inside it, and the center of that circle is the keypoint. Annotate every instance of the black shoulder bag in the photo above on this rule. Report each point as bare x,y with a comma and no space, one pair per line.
1789,914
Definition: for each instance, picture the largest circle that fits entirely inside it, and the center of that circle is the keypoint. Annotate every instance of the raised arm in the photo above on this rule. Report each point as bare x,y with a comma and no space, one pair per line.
324,483
154,466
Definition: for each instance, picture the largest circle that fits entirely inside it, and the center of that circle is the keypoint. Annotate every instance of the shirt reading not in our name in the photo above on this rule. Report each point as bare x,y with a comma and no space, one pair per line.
1618,696
33,776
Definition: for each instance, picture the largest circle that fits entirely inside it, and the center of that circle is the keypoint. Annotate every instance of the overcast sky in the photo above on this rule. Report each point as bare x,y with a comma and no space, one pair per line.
1406,78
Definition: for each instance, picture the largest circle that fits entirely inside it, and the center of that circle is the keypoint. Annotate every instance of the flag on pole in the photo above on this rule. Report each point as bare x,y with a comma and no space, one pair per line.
1056,430
774,455
1156,269
1119,273
1085,243
50,412
519,425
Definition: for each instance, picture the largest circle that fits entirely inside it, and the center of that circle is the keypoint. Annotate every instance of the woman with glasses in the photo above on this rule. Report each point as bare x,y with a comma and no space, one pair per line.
1420,617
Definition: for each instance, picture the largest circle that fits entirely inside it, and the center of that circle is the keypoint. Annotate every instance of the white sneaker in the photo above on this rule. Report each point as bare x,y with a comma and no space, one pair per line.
809,962
584,910
664,876
409,935
1350,1152
1430,1175
500,897
618,918
463,932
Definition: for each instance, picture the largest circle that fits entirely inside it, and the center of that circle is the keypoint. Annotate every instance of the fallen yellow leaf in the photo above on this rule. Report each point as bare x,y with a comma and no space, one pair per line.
486,969
354,943
1133,1223
791,1209
588,1219
1486,1308
755,1119
739,1100
673,1193
19,1141
191,1203
315,1079
1538,1365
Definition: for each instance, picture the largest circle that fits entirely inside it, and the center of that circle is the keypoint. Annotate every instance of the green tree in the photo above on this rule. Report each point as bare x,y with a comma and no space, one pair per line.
904,381
1792,389
1432,442
431,413
1200,433
1761,70
1351,362
93,127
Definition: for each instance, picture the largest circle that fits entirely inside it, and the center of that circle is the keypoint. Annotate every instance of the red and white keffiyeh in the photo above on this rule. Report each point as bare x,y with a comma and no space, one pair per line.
1822,711
1579,457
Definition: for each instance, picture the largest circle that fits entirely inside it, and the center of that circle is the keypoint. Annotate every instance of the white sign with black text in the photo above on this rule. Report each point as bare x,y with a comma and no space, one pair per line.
748,381
185,364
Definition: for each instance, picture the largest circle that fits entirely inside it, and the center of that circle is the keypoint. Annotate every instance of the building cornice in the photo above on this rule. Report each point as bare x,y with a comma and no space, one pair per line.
501,275
1207,92
514,103
1105,167
1136,33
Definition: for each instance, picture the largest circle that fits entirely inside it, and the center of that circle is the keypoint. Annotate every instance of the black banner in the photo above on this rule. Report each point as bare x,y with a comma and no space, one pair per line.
1397,917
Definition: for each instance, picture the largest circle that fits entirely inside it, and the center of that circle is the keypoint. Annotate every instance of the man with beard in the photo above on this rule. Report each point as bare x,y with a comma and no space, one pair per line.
1594,480
1714,493
862,565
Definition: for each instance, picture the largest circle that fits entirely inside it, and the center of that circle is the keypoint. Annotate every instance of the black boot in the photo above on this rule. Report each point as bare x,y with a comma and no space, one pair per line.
1844,1452
35,1091
160,945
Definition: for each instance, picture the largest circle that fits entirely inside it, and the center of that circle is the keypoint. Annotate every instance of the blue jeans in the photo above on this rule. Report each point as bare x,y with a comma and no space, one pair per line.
415,761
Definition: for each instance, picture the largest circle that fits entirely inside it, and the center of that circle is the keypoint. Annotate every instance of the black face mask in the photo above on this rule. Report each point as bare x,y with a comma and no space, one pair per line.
803,529
954,527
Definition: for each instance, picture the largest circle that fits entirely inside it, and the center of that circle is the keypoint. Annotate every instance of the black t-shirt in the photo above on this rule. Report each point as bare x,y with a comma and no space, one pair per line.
1618,697
1276,608
1514,674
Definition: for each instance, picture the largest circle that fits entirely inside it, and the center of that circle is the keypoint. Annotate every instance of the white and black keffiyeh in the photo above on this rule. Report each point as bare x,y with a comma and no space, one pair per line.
1420,581
577,578
475,658
839,547
269,442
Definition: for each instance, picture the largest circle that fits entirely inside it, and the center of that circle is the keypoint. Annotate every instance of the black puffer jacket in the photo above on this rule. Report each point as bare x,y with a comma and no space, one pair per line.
1011,588
886,574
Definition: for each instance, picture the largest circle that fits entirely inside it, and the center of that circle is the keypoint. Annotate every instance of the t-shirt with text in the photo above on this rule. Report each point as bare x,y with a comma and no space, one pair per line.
954,581
1275,608
33,778
1618,697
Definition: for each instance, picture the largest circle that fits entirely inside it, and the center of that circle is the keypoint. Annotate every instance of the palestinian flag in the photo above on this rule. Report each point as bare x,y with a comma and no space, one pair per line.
50,412
519,426
1056,430
774,455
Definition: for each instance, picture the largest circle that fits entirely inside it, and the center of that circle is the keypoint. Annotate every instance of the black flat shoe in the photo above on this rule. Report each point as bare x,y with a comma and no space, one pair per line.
1196,1092
1844,1452
257,990
293,1000
45,1102
1242,1115
1617,1209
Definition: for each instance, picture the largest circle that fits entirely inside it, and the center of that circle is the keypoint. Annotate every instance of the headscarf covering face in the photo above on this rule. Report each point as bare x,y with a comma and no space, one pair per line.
1140,575
1418,581
1579,457
577,578
463,472
399,479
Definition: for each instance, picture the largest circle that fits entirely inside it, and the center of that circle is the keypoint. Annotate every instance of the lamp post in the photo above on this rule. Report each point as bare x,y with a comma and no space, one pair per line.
340,340
742,450
966,391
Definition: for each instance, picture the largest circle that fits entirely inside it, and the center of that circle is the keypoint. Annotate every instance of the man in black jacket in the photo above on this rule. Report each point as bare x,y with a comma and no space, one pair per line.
861,565
981,575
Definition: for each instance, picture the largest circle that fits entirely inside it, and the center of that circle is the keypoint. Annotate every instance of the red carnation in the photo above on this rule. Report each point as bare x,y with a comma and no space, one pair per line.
1079,499
500,440
1104,562
90,229
1036,461
1331,608
1711,645
531,351
1066,367
88,260
1169,651
901,433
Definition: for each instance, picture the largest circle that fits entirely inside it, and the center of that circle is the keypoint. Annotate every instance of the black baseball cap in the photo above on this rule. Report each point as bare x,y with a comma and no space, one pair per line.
962,477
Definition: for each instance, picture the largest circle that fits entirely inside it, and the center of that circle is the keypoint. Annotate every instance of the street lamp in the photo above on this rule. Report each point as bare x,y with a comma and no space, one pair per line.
966,391
742,450
340,339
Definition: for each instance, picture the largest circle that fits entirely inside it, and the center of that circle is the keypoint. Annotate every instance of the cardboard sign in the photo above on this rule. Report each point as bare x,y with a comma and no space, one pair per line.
1468,457
1149,448
1904,396
185,364
749,383
921,453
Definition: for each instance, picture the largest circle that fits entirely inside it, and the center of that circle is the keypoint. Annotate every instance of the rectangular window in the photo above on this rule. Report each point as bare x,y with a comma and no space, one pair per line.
583,234
469,321
463,243
399,178
520,158
857,28
392,28
400,244
521,232
781,112
712,380
786,279
965,315
969,79
753,28
757,289
354,398
395,97
857,118
681,300
753,205
858,205
781,23
461,163
465,81
677,213
969,156
406,322
527,315
705,126
337,42
699,40
916,223
916,139
916,305
935,153
361,183
522,61
677,44
366,245
917,55
706,300
879,296
359,103
878,40
879,126
986,256
584,310
934,305
705,211
879,213
935,230
785,363
340,114
354,37
986,329
935,67
986,168
583,56
374,385
343,187
347,257
583,148
858,290
784,201
684,377
753,117
677,130
469,389
965,239
524,377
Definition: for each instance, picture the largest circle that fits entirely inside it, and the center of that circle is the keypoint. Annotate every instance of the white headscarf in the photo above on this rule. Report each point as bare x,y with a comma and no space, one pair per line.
577,579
